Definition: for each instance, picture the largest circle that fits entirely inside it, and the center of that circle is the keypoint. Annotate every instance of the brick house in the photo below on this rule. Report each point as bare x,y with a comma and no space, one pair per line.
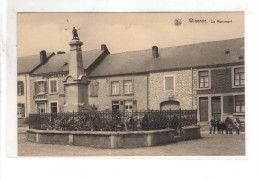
221,82
25,66
47,92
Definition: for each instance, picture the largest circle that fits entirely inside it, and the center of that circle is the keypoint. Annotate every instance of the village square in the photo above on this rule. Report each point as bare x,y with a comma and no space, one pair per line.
182,100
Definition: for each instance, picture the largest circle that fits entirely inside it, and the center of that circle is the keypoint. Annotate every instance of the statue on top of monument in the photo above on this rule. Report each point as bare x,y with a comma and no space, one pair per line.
75,34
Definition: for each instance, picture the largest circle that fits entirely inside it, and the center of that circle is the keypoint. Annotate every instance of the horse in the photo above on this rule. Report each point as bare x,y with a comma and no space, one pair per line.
221,127
229,125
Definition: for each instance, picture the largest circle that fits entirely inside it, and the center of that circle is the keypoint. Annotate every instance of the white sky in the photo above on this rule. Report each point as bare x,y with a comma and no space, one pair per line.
121,31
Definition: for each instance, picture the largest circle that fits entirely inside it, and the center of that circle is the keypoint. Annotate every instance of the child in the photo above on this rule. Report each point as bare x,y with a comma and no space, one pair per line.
237,125
213,125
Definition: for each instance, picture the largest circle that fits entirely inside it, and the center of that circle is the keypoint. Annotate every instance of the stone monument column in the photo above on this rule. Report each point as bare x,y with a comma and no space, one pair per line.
76,83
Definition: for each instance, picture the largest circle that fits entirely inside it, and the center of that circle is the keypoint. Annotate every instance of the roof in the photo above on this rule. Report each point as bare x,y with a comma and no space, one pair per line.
60,62
27,63
186,56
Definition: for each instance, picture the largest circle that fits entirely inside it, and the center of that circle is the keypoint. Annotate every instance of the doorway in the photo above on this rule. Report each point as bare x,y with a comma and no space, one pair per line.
115,106
170,105
216,109
203,103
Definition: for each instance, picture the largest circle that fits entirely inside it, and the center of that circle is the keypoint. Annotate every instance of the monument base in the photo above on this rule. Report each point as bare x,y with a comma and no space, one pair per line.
76,94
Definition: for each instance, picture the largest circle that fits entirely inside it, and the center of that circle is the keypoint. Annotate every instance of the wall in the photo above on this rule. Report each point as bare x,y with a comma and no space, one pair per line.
57,97
182,92
104,99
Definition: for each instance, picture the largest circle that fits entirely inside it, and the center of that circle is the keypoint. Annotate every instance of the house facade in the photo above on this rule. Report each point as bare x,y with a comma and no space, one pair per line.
220,87
141,80
25,66
224,95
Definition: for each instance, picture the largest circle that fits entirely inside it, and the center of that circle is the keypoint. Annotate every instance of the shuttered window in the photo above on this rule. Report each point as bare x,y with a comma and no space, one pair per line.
53,86
169,83
94,90
20,88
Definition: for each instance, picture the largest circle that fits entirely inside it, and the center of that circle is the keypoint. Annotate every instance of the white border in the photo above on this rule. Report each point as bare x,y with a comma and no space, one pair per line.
173,167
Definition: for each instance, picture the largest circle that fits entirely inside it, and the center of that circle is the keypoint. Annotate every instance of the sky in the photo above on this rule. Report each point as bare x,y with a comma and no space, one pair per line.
122,32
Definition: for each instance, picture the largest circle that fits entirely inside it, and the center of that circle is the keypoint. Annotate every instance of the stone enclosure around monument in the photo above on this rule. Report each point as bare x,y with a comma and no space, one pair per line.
112,140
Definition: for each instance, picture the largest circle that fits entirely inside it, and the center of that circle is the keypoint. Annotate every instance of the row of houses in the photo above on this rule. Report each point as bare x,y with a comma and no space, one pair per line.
207,77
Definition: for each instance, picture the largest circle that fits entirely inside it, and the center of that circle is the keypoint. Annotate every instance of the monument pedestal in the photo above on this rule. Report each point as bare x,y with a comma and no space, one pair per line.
76,94
76,83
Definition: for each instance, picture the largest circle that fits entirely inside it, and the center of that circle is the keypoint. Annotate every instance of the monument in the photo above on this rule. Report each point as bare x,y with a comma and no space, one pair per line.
76,83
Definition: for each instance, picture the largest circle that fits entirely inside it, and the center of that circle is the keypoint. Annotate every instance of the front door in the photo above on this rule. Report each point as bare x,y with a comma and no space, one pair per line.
115,106
41,107
203,108
216,109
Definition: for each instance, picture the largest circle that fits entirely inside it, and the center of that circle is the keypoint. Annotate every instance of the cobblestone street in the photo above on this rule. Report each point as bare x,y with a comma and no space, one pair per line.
207,145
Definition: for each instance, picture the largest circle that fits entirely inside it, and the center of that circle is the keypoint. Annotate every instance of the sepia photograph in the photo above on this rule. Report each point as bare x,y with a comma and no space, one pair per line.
131,84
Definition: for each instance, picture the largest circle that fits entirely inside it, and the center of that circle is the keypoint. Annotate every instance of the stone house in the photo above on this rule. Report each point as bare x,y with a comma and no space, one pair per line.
25,66
47,91
141,80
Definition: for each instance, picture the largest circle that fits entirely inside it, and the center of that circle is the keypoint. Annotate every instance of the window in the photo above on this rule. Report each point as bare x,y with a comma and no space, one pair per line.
41,107
128,106
40,87
128,87
53,86
169,83
54,107
94,90
115,88
20,88
20,111
203,79
240,104
239,76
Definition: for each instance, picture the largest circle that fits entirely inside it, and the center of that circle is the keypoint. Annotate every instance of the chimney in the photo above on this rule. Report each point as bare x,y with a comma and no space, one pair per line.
43,57
103,47
155,52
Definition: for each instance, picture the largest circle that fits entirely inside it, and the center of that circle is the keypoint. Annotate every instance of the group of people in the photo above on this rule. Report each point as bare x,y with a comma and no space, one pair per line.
225,126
